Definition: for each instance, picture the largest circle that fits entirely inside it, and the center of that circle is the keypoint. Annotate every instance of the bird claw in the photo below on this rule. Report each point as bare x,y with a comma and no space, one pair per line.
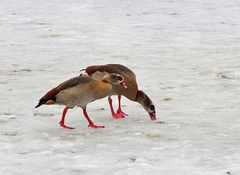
119,111
119,114
65,126
95,126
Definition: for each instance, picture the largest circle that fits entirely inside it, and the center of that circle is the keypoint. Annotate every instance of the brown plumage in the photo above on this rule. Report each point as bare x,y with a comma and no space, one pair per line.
98,71
79,91
132,93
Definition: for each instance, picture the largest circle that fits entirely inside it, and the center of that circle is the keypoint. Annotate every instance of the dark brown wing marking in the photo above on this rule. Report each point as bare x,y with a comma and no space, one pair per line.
51,95
122,68
73,82
110,68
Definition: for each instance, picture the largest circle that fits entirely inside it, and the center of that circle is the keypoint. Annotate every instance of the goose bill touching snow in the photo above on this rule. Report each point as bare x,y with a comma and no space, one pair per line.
132,92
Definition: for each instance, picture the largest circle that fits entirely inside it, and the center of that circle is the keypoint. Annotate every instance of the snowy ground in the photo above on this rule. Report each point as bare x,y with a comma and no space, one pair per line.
186,55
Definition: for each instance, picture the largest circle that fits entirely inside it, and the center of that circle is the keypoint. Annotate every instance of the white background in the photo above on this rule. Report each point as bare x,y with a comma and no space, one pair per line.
186,55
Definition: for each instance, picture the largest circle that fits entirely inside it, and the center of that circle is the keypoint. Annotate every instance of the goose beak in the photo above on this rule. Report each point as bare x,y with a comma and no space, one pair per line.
153,115
123,84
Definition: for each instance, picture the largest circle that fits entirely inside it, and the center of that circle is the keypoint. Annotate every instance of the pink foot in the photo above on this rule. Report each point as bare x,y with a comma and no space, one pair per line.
65,126
119,114
119,111
95,126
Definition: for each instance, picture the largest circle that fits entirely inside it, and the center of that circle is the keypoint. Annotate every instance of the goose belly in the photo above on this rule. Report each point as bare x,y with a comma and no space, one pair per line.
75,96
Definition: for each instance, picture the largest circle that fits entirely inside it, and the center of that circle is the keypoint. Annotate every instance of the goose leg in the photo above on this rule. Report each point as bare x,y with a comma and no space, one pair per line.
119,111
63,119
91,124
111,106
114,115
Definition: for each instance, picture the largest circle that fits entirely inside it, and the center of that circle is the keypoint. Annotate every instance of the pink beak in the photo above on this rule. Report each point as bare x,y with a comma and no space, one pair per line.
153,116
123,84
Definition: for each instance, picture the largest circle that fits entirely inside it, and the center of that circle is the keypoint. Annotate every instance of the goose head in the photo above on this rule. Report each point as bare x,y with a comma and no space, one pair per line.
115,79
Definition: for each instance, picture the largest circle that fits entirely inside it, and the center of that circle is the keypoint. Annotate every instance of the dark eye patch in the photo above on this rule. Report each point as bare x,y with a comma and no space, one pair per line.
152,107
120,78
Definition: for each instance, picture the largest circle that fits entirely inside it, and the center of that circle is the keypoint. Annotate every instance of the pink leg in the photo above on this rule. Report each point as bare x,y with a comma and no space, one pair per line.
119,111
111,106
114,115
63,119
91,124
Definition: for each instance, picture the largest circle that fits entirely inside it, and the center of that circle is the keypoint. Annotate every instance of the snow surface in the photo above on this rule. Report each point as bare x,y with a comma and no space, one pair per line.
186,55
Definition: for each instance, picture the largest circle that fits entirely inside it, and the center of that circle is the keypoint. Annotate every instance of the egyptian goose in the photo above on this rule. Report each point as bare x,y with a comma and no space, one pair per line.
132,92
79,91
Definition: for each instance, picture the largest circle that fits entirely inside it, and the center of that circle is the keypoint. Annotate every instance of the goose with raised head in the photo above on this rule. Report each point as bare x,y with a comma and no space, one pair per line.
79,91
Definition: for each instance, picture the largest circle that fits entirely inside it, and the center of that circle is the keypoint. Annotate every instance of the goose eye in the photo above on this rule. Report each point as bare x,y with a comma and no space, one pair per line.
120,78
152,107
